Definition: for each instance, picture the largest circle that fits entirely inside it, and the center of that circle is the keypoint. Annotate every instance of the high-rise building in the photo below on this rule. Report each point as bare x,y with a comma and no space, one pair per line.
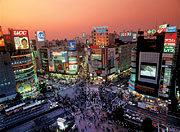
22,62
156,58
7,78
100,36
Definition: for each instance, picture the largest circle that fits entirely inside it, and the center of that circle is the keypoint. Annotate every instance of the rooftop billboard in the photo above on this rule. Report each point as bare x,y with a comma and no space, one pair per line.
72,45
21,39
128,36
40,35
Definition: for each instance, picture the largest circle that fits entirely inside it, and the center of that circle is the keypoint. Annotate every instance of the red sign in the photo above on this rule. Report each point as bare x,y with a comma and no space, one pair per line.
98,72
8,37
164,86
1,38
165,58
18,33
95,46
161,30
170,39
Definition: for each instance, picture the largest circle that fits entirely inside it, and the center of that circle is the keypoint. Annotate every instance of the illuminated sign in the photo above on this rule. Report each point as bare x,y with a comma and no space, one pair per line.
170,39
169,49
21,39
95,28
72,60
127,36
171,29
8,37
73,67
149,31
163,26
96,64
57,53
100,29
72,45
161,30
40,35
153,31
1,38
96,47
148,34
96,56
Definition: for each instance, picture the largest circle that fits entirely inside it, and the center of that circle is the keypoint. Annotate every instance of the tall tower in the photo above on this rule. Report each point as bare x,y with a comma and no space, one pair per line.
100,36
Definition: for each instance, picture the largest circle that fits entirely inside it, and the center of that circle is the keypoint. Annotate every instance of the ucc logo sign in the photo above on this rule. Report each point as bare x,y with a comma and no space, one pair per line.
19,33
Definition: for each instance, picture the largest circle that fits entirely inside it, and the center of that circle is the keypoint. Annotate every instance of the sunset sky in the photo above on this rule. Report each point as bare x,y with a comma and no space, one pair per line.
69,18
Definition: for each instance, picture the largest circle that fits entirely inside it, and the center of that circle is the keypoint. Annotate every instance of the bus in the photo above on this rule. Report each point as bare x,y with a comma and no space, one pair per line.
14,109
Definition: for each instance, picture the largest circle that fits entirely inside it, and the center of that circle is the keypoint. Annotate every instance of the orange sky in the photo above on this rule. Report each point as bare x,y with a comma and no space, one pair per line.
69,18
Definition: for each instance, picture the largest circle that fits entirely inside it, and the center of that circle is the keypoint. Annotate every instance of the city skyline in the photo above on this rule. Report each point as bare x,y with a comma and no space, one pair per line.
67,19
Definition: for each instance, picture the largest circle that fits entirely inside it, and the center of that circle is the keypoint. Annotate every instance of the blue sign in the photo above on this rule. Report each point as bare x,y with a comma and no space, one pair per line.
171,29
101,30
72,45
41,35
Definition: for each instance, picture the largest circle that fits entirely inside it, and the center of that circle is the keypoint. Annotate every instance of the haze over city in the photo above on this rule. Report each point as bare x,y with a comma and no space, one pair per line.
69,18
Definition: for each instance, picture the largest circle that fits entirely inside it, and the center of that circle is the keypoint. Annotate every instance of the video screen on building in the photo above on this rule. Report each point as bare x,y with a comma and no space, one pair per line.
148,70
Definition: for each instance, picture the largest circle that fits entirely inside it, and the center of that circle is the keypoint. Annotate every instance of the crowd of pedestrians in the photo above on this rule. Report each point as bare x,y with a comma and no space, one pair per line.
92,108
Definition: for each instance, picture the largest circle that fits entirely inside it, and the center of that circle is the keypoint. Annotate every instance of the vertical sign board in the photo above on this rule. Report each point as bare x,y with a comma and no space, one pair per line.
21,39
72,45
170,42
1,38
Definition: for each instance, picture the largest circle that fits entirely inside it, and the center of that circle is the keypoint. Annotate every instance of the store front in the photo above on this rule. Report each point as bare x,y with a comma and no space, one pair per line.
97,79
65,79
112,77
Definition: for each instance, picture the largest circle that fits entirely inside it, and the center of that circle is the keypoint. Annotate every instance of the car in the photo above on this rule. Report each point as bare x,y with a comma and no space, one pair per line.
133,104
129,117
129,102
133,114
155,111
122,86
133,118
126,115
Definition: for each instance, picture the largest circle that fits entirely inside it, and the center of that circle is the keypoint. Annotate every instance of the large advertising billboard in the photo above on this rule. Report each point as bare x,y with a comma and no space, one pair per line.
171,29
148,70
72,45
148,67
21,39
100,30
40,35
1,38
96,57
128,36
57,62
